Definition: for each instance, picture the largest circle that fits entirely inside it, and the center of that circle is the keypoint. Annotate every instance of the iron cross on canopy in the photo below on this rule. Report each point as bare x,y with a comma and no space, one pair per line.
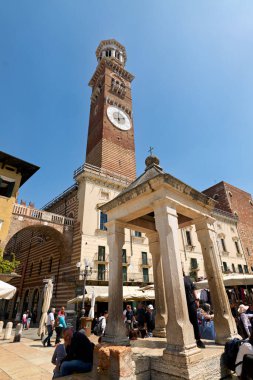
151,150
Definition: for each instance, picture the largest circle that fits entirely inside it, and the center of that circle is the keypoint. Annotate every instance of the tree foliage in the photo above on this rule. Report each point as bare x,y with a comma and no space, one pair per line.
7,266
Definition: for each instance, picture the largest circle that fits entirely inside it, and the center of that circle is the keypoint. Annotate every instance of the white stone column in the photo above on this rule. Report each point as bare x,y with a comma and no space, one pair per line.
160,304
223,320
113,53
179,331
103,53
115,332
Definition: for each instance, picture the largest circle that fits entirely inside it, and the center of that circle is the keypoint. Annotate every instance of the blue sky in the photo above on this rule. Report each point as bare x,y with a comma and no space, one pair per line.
192,93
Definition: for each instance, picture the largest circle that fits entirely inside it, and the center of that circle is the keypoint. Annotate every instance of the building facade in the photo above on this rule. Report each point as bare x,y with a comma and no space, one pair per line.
240,203
109,168
14,172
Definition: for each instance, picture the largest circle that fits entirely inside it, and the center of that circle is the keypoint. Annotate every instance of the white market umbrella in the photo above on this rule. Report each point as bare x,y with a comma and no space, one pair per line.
48,293
130,293
232,279
79,299
140,296
92,305
7,291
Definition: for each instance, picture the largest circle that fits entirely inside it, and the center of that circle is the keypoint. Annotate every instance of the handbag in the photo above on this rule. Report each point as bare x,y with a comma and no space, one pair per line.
207,330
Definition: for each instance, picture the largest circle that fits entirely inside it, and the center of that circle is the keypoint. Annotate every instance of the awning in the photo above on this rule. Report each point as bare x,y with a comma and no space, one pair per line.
7,291
130,293
232,279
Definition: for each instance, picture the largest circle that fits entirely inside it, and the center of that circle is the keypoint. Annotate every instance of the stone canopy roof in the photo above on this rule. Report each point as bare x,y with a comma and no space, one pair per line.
155,174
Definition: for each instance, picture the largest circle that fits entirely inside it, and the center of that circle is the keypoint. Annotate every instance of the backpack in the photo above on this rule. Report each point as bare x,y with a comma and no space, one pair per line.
230,353
98,327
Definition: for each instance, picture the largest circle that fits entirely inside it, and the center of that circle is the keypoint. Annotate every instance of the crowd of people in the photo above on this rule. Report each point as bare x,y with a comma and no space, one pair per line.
76,352
139,321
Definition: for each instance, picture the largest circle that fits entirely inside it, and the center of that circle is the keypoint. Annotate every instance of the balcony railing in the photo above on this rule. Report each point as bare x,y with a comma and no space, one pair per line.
126,261
145,263
194,268
101,258
102,276
41,215
88,168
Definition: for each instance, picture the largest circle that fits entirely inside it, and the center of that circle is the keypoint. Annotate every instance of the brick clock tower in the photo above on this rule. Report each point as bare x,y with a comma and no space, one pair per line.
110,144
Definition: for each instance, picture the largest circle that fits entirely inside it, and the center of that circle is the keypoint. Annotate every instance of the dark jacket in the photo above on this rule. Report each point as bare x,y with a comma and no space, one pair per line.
80,348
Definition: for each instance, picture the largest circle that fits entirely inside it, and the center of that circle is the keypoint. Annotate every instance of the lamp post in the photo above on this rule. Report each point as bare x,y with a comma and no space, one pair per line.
86,272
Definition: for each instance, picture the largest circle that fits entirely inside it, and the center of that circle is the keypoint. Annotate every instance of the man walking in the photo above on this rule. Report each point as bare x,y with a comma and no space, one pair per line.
50,327
193,304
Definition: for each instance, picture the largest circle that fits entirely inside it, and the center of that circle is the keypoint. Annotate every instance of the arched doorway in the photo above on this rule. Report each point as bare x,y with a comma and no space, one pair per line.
34,306
25,301
41,251
15,306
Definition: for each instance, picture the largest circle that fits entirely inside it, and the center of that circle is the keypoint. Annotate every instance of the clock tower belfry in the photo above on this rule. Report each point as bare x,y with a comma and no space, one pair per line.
110,143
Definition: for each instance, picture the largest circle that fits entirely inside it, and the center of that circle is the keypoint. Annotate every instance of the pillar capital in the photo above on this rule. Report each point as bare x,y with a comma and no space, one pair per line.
153,237
204,223
114,226
165,205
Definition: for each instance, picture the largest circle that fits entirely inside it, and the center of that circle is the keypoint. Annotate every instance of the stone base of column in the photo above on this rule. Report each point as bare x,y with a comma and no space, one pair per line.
116,340
182,365
223,340
159,332
113,362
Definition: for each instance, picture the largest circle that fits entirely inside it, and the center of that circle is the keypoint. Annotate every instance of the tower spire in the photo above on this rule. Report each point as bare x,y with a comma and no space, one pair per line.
110,144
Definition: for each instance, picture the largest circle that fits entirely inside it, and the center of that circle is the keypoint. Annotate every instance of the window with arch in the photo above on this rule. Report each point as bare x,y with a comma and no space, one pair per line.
222,242
50,264
188,237
240,268
118,85
233,268
237,247
71,215
246,270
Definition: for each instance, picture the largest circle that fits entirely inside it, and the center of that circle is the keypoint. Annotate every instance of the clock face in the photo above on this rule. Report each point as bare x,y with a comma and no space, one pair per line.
118,118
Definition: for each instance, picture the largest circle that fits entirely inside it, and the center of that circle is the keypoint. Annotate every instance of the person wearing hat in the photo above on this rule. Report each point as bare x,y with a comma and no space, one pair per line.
150,320
245,318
